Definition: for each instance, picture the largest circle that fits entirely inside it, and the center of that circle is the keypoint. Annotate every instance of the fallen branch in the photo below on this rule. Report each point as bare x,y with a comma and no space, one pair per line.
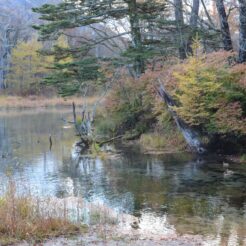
110,140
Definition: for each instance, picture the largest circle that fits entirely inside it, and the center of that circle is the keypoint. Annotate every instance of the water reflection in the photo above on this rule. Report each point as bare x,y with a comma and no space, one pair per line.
171,193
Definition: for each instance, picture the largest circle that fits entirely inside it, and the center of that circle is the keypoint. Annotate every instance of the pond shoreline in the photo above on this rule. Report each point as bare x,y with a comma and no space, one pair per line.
8,102
93,238
31,102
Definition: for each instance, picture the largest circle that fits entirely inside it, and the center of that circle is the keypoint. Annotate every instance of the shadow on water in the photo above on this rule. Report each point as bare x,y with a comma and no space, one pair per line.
192,195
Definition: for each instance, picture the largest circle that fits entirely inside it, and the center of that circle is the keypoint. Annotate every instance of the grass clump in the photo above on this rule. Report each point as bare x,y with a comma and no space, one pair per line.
161,141
153,140
22,218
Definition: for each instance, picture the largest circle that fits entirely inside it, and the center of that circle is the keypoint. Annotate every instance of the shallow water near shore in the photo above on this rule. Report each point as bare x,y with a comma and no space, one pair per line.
172,193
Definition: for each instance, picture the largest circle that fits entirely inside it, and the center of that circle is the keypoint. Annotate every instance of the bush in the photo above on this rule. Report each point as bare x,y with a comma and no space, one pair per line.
210,93
133,108
129,106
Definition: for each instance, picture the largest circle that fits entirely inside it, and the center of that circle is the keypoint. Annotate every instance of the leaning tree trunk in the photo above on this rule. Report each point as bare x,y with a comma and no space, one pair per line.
139,65
191,136
225,29
179,19
242,35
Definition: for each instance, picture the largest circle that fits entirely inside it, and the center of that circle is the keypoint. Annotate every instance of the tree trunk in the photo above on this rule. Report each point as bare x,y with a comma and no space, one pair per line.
191,136
242,35
139,65
5,52
179,18
225,29
8,39
193,23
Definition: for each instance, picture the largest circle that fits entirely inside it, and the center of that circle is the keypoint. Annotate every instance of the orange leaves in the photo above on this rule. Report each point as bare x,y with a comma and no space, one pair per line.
209,90
240,71
230,118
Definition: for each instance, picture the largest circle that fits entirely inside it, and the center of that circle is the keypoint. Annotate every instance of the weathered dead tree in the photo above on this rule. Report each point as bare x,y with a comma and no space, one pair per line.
83,127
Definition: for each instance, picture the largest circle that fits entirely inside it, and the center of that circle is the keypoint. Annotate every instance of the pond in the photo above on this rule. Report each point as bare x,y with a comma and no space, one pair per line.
192,195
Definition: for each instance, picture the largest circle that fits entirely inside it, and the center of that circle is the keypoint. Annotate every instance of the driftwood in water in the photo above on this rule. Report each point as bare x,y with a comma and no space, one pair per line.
51,143
191,136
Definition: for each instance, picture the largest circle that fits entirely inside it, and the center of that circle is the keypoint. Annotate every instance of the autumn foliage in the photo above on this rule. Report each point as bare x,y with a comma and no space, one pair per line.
28,68
210,92
208,89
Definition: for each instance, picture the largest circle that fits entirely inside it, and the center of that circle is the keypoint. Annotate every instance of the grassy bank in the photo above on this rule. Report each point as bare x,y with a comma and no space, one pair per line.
7,102
163,142
25,217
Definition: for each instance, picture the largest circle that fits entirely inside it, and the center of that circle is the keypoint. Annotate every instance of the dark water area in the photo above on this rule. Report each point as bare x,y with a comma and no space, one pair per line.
192,195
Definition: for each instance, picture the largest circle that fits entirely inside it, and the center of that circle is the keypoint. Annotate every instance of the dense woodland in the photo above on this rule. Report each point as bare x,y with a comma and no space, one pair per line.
171,73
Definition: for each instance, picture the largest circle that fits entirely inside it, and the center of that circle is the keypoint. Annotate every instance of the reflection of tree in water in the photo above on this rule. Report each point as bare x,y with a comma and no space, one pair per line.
5,145
190,193
92,181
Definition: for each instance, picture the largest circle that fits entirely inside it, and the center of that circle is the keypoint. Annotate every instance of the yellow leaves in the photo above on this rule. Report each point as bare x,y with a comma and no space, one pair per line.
210,92
28,67
62,42
195,83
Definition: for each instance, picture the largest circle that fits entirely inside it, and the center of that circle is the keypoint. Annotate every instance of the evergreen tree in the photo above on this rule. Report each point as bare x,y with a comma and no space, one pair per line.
74,14
73,69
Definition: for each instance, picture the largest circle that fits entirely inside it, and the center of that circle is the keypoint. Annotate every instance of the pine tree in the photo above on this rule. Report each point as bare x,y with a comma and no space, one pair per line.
72,70
74,14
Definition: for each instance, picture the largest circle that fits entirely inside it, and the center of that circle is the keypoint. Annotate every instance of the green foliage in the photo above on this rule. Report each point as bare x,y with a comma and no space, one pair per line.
74,14
105,126
72,70
166,135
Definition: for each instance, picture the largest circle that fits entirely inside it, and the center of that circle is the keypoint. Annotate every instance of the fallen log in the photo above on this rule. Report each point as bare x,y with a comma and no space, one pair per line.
109,140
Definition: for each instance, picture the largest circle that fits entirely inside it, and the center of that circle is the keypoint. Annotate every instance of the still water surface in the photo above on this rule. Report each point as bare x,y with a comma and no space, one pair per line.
192,195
